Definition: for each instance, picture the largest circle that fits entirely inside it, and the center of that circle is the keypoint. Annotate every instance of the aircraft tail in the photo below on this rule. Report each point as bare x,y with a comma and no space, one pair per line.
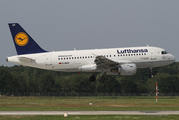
23,42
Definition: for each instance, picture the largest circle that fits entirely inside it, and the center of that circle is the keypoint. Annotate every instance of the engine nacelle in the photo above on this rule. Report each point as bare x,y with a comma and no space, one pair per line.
125,69
87,68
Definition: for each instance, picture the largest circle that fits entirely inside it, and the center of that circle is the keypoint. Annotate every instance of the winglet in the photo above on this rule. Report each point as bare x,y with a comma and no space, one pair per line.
22,40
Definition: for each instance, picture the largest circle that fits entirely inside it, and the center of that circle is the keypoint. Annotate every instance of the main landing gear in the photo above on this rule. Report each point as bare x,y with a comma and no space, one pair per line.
92,78
151,74
101,78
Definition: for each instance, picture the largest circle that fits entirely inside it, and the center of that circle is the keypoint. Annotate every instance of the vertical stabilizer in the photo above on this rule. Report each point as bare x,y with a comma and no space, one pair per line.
22,40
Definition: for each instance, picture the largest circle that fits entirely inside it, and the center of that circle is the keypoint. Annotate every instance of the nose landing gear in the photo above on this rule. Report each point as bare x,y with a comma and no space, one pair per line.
151,74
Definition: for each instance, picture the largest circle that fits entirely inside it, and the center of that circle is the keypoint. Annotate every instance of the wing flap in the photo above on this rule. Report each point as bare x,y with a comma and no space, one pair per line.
106,63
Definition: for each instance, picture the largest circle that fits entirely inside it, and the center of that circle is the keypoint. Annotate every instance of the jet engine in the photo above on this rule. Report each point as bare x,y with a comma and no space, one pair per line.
125,69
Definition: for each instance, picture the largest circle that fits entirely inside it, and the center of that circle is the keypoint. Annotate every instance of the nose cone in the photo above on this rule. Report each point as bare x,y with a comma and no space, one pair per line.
171,58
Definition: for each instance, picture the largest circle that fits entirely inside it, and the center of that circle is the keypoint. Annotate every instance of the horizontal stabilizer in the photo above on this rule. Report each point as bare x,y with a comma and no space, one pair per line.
26,59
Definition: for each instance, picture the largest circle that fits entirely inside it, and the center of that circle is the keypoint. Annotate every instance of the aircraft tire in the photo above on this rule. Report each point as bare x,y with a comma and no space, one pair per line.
92,78
101,79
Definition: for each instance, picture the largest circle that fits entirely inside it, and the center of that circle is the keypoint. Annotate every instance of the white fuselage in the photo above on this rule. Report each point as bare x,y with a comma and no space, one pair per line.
71,61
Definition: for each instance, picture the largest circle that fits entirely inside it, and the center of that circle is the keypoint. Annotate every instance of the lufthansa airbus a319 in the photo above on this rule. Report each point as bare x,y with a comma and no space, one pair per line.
113,61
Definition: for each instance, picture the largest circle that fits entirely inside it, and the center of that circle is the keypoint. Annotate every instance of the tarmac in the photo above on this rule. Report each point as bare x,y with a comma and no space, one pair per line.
89,112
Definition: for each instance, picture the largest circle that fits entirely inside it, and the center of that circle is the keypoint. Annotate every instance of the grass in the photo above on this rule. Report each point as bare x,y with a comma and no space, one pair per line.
89,117
82,104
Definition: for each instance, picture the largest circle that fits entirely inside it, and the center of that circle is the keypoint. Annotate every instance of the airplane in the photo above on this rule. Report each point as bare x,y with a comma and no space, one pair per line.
112,61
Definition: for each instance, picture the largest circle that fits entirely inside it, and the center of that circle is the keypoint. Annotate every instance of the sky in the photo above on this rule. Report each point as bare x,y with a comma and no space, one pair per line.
91,24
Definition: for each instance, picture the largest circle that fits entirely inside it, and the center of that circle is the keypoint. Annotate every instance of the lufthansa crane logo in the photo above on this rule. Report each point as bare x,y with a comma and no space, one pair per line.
21,39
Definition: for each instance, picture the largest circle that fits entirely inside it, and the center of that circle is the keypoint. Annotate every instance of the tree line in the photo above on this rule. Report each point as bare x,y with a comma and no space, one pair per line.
27,79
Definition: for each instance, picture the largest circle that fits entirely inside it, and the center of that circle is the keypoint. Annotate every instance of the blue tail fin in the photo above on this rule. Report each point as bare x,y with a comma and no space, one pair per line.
23,42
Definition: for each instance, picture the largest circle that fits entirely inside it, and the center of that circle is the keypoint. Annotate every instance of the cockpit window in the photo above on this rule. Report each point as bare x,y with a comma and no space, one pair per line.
164,52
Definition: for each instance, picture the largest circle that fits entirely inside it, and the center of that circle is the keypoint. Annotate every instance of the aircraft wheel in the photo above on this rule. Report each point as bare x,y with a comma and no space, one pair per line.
101,79
92,78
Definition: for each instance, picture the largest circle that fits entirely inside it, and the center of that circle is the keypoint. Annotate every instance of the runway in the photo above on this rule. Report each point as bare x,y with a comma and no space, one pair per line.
89,112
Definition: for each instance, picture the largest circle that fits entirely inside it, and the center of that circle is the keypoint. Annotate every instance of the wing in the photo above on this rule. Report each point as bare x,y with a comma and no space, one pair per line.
104,63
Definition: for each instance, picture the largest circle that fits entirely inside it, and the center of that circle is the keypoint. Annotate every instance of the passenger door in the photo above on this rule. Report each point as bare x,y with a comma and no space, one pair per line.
153,55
